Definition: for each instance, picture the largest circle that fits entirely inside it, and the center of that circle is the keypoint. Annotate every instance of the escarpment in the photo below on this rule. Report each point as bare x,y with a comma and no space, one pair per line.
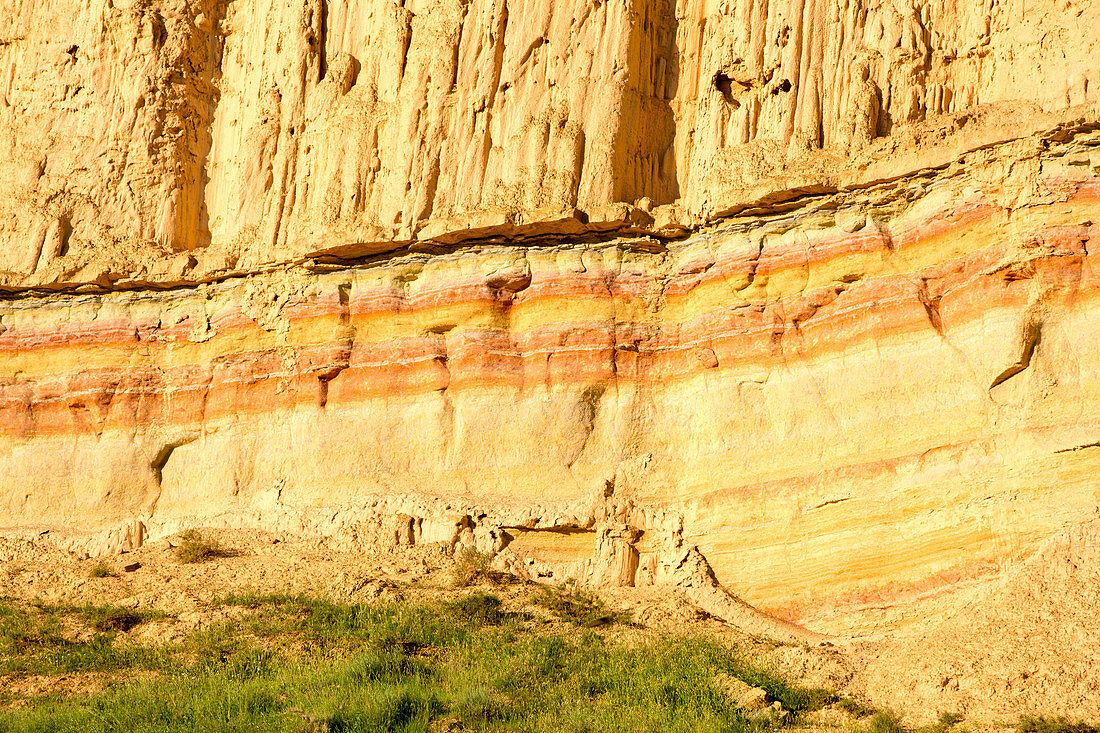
868,398
791,298
158,139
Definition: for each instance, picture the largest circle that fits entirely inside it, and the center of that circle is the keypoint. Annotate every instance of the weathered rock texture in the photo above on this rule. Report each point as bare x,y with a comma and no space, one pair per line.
795,297
249,132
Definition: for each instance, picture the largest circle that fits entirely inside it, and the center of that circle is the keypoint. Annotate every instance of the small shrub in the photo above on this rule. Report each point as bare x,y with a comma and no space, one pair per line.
854,708
101,570
578,607
946,722
886,722
195,548
470,567
115,619
1041,724
480,608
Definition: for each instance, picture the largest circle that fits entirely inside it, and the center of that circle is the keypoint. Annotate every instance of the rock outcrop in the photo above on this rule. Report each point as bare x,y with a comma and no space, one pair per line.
789,299
148,140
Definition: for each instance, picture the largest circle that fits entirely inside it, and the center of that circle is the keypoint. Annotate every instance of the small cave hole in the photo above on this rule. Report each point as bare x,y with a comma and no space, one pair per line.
72,50
724,84
65,230
783,86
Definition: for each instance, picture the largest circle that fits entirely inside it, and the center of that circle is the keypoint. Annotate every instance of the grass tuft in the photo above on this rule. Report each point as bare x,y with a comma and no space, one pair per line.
478,608
194,548
578,607
886,722
101,570
482,704
855,708
113,618
471,566
946,722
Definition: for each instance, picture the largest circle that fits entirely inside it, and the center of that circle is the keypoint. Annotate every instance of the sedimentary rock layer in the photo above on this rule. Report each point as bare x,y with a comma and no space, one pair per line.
848,404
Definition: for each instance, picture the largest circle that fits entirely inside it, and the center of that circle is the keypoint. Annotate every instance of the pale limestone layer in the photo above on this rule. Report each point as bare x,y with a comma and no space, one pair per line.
166,141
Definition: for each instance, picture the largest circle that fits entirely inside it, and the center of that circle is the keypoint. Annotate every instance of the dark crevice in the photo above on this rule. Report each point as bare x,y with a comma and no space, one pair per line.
453,87
931,306
323,382
830,501
562,529
724,84
1031,338
1076,448
407,45
65,231
441,329
588,407
160,460
343,295
322,40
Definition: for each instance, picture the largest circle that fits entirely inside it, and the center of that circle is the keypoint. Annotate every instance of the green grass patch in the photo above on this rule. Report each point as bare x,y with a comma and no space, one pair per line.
106,618
1040,724
56,639
296,663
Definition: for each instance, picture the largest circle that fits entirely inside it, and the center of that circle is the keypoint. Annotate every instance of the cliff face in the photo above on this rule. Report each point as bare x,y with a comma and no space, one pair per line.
806,286
251,132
